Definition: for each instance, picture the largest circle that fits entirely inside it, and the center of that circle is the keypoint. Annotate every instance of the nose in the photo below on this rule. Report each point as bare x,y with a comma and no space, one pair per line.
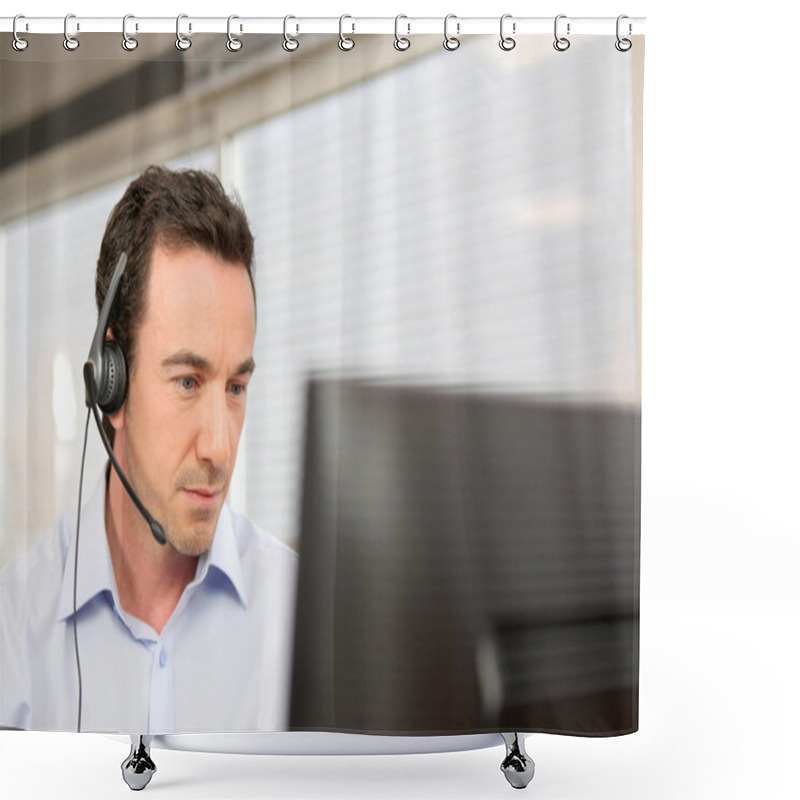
214,437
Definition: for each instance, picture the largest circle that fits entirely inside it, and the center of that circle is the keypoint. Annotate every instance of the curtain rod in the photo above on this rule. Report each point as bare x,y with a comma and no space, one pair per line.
74,25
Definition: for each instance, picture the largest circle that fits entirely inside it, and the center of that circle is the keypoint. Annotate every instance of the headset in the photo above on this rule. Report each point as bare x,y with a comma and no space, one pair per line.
105,378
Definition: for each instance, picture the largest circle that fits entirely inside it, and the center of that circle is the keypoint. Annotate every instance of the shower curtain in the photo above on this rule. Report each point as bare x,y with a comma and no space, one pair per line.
444,422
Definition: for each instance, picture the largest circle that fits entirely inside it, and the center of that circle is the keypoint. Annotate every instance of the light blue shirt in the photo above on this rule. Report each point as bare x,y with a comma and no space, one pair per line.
222,663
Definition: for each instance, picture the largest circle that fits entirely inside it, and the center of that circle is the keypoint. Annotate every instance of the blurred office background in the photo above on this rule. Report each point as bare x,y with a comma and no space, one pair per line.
465,219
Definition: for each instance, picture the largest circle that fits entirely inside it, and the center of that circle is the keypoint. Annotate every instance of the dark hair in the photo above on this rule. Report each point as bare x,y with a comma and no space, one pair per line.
174,209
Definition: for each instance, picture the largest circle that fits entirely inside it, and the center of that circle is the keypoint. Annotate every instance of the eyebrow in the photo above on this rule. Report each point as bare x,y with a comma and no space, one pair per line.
186,358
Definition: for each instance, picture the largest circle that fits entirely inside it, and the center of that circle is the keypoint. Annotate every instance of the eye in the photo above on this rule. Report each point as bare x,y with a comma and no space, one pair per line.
187,383
237,389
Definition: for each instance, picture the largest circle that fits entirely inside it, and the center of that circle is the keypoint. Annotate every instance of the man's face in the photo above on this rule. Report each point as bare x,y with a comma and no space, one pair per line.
187,397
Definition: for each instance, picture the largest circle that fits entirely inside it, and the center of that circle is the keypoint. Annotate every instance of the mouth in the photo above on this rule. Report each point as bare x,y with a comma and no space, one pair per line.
202,496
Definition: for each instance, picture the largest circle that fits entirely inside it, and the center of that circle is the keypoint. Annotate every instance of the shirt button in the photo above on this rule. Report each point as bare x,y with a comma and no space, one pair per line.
162,658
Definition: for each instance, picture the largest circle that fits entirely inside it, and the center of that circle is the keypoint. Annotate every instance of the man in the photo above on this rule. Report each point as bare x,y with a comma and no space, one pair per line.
193,635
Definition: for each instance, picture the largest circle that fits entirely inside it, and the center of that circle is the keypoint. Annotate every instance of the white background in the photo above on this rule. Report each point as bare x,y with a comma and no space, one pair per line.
720,600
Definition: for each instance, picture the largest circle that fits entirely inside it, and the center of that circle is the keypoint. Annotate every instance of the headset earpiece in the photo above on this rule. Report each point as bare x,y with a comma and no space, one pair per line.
114,380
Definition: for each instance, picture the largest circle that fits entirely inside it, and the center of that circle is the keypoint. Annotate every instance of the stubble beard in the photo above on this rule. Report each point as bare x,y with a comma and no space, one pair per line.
195,537
188,533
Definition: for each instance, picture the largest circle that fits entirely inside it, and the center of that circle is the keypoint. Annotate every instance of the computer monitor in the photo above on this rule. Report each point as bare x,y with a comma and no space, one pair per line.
469,562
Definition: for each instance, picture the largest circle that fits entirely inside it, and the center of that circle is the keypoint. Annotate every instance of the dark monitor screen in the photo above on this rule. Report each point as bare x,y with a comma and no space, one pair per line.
468,562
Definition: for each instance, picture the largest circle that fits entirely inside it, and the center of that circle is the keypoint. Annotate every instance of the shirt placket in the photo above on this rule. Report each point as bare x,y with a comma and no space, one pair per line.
162,684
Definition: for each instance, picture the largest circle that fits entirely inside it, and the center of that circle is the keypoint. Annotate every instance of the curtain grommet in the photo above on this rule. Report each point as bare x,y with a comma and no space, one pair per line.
401,43
507,43
290,43
623,44
233,44
345,42
129,43
70,42
18,43
561,43
451,43
182,43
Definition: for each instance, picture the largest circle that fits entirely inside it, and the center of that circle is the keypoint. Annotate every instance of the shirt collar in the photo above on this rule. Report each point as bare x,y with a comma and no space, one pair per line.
223,556
96,574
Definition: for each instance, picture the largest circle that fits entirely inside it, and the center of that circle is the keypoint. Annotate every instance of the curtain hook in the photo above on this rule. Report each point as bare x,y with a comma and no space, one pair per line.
345,43
451,42
181,42
401,42
561,43
233,44
623,45
128,42
506,42
70,42
290,44
18,43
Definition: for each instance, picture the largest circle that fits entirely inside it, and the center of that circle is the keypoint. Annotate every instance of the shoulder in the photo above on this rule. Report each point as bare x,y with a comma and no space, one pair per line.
30,588
36,575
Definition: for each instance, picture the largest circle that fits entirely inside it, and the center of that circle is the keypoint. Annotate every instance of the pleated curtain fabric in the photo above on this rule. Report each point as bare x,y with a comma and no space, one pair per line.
444,421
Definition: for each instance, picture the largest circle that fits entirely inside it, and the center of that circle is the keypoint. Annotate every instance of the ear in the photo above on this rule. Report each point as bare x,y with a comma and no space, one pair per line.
117,420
